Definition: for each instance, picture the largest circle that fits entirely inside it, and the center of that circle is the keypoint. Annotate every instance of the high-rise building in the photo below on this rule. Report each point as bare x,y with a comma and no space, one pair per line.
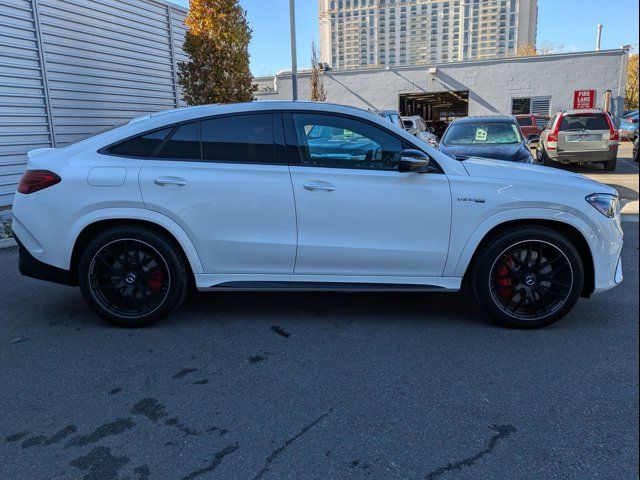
373,33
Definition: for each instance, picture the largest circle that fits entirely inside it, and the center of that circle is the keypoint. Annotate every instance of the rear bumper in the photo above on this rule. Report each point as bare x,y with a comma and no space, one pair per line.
29,266
584,157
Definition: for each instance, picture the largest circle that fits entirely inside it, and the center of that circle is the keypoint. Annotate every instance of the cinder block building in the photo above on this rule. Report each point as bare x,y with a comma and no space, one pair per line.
440,92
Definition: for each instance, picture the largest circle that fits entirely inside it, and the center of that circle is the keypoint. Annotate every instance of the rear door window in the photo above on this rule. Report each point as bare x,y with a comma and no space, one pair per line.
239,139
183,144
142,146
584,122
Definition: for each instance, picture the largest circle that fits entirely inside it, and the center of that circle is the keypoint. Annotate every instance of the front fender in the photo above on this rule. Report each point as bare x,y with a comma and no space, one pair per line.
458,262
156,218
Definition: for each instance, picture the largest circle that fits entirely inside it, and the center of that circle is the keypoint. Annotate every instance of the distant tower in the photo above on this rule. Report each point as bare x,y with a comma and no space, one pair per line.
371,33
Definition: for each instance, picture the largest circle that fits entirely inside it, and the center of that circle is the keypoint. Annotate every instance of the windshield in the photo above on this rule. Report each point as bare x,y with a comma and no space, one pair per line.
482,134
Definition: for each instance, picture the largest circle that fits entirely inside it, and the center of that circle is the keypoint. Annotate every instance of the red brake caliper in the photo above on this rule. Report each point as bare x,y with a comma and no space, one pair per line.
504,283
155,280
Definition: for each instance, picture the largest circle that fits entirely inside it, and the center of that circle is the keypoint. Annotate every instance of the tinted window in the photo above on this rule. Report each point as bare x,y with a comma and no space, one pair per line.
142,146
584,122
525,121
242,139
482,134
183,144
339,142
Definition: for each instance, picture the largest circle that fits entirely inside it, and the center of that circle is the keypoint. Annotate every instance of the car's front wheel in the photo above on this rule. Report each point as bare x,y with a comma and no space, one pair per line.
132,276
528,277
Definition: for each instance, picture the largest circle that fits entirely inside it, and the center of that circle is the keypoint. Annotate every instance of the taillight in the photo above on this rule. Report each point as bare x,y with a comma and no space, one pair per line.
613,131
34,180
552,138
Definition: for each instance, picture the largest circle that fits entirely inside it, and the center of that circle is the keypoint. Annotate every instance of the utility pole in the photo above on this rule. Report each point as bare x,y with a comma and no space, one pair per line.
294,54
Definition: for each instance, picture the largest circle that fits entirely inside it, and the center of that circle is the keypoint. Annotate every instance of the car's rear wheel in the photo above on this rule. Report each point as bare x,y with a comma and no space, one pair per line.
528,277
132,276
610,165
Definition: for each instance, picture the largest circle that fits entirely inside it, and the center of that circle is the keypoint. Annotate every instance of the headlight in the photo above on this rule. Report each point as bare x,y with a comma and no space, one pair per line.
606,204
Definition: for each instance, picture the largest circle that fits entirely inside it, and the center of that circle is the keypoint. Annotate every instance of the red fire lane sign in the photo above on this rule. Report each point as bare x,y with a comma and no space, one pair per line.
584,99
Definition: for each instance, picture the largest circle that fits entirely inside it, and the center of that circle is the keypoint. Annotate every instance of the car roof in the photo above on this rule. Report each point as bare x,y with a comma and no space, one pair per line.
585,111
184,114
485,118
537,115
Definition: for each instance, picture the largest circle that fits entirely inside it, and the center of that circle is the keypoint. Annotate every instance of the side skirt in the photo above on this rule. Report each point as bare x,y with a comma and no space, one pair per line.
326,283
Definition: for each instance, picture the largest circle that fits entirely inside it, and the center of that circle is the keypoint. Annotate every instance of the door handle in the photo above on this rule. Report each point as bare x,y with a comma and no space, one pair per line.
165,181
319,187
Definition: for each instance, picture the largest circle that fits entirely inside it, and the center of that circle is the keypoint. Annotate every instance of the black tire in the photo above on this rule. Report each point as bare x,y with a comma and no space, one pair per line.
132,276
610,165
635,149
508,272
544,158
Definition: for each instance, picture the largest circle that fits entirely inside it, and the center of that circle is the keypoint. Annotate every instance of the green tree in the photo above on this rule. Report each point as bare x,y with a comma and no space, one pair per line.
631,91
217,45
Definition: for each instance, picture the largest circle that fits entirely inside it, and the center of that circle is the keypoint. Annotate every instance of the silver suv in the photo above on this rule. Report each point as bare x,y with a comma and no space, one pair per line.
415,126
579,136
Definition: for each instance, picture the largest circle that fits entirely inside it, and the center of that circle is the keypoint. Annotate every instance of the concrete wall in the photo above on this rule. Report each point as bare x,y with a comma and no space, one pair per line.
491,83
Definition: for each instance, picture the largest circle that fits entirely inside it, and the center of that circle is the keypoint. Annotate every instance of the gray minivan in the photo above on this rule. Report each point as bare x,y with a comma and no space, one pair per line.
579,136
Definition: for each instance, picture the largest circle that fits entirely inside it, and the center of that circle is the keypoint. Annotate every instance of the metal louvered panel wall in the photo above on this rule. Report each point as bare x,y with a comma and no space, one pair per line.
24,122
71,68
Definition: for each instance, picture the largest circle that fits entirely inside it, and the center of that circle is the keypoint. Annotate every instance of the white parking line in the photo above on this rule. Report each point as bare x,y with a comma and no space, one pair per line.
631,164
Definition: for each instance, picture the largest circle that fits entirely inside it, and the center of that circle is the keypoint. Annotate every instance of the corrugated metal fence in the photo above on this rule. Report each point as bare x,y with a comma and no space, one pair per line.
71,68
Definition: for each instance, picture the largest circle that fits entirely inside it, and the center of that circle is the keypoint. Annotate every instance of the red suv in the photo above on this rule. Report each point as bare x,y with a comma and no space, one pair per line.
532,125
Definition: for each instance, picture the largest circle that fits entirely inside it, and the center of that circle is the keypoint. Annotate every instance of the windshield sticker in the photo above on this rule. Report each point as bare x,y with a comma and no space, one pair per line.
481,134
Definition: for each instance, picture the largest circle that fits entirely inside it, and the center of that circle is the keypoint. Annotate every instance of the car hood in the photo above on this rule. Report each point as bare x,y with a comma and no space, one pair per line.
499,152
519,172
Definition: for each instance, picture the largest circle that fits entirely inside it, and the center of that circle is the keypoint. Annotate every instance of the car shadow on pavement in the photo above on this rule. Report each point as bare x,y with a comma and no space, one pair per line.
381,306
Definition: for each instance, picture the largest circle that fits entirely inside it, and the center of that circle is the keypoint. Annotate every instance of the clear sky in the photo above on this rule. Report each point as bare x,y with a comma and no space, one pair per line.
571,23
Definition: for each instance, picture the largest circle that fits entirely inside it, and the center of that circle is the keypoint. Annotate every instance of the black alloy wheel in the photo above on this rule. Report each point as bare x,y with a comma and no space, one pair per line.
531,279
133,276
129,278
527,277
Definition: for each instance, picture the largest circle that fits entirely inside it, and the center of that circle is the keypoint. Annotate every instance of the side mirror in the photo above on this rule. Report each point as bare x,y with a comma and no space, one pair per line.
413,161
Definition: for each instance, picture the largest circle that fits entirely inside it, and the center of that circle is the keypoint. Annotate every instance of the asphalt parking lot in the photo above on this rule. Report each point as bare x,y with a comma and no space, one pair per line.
320,386
317,386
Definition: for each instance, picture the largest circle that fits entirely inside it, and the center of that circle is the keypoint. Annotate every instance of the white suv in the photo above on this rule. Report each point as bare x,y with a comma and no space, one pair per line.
306,196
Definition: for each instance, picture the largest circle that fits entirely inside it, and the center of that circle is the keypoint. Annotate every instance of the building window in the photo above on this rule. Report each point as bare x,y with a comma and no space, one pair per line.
531,106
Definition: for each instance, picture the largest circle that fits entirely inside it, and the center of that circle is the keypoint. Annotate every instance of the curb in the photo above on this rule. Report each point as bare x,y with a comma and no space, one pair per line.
8,243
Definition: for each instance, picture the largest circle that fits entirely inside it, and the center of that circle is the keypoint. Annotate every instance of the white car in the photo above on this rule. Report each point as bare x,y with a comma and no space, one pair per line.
311,196
415,126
